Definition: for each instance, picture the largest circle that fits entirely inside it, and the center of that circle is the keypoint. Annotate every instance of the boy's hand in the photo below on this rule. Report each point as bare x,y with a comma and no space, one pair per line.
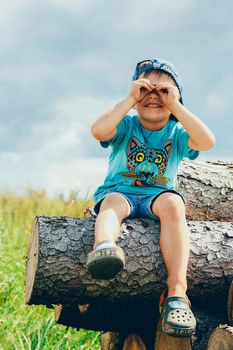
140,88
168,94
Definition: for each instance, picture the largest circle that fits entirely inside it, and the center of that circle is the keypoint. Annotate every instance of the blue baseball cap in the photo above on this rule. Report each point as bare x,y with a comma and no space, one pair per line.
160,64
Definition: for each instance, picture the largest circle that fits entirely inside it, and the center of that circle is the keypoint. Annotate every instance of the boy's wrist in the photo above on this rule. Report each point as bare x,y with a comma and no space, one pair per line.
132,101
175,107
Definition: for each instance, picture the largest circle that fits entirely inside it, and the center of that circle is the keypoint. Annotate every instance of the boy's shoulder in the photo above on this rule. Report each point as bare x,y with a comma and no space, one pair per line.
175,126
129,121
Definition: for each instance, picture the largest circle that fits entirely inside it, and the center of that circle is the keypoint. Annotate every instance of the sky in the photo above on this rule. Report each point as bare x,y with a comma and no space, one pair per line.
65,62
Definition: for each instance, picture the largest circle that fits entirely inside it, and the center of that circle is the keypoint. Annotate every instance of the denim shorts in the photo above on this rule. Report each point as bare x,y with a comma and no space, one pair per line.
140,204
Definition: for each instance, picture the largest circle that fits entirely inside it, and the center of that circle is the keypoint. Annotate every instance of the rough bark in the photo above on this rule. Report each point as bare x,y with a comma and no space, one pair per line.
221,339
60,275
208,189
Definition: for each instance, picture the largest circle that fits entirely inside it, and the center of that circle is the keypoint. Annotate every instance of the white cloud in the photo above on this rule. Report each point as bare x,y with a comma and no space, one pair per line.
55,177
64,62
85,175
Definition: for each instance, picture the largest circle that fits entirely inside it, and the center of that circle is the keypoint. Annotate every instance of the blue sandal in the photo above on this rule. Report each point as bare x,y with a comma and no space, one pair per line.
177,319
105,261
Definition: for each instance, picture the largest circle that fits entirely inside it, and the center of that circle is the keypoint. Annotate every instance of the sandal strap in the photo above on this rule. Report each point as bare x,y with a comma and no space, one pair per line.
99,253
163,297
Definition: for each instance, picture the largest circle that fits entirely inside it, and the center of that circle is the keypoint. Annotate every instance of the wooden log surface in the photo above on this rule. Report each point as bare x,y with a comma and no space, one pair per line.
59,247
221,338
112,341
207,188
60,275
165,342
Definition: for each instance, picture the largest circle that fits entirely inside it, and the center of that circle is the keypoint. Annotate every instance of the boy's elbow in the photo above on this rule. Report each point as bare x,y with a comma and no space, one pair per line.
94,131
212,142
209,144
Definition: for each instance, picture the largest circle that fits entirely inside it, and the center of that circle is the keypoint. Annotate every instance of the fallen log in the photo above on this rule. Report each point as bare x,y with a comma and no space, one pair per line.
56,272
207,188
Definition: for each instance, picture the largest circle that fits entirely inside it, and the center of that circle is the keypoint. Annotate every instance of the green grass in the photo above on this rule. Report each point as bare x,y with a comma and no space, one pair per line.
32,327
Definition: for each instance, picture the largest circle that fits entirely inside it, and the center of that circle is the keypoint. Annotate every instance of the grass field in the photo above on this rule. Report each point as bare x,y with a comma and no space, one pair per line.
31,327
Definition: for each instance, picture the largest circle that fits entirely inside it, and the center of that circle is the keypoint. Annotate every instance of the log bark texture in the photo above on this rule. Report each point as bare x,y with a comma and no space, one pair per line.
208,189
60,275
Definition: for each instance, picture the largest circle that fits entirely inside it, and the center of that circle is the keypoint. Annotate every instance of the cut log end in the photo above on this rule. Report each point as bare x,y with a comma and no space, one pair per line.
165,342
32,261
133,342
57,312
110,341
221,338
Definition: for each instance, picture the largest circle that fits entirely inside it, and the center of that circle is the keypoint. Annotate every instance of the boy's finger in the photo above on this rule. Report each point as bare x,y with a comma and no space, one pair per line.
145,86
165,84
147,81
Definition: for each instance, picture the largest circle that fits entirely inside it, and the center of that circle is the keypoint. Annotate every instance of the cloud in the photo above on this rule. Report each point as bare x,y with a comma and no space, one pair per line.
64,62
85,176
59,176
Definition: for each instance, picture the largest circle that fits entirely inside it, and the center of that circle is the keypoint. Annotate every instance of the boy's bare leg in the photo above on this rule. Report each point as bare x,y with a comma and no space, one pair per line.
174,240
114,208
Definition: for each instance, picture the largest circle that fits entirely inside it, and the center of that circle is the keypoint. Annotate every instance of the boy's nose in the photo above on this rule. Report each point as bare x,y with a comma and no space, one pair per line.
153,92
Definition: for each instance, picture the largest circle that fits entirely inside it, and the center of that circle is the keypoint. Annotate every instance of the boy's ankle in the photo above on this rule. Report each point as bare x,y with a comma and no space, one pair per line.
104,242
176,286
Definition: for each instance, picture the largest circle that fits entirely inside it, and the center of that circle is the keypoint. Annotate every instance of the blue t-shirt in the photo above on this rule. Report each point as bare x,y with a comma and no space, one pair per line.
144,162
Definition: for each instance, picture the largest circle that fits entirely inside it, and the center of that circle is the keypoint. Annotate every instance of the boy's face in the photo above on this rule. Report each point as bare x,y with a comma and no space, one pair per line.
150,107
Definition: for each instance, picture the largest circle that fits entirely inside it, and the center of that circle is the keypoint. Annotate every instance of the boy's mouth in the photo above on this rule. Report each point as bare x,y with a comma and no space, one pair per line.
153,105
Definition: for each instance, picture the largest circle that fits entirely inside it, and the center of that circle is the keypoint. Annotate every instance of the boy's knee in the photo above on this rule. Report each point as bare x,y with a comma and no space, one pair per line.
116,202
169,206
112,200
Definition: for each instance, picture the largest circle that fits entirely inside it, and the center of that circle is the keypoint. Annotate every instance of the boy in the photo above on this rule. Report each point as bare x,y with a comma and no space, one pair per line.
146,151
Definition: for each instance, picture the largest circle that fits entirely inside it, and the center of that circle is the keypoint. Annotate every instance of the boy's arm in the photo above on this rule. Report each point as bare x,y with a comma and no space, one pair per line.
104,127
201,137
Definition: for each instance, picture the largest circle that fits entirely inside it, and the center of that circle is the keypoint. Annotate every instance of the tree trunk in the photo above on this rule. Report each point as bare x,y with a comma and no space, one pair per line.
56,272
207,188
